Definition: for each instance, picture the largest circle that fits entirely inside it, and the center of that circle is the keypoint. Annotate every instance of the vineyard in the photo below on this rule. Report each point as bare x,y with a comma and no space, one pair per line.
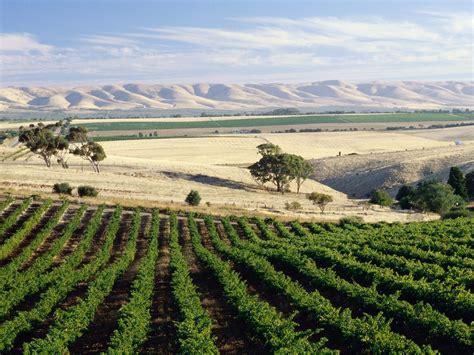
91,279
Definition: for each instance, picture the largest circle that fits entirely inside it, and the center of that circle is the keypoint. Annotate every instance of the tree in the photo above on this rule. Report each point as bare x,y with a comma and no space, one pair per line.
93,152
405,196
469,178
320,199
381,198
436,197
275,169
193,198
407,203
77,135
47,141
300,169
62,145
405,191
268,149
279,168
42,140
457,182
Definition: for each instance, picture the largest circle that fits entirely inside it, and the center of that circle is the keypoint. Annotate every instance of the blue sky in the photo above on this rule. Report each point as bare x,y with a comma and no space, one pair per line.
80,42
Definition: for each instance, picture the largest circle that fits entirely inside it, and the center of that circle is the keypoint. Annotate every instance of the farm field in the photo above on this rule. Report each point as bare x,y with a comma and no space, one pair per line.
240,149
167,123
272,121
202,284
163,171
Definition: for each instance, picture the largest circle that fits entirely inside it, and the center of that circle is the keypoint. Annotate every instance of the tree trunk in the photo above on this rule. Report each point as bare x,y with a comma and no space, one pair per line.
94,165
279,187
47,160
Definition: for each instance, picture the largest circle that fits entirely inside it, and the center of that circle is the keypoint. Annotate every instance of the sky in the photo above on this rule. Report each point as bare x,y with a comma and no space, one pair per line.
71,42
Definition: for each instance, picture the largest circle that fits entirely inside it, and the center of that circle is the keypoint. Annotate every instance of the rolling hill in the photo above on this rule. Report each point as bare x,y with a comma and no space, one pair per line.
401,94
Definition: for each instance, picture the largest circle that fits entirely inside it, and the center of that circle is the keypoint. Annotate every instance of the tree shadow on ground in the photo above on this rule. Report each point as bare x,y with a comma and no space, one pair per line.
209,180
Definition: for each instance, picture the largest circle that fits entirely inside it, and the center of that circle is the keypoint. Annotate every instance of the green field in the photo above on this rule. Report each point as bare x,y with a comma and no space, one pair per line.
127,282
130,137
277,121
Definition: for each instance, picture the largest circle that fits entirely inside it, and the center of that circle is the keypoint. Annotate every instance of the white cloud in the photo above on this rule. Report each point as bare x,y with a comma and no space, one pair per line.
21,42
108,40
266,48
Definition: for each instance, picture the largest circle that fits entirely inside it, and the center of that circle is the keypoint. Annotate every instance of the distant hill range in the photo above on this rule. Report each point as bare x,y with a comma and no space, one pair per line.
389,94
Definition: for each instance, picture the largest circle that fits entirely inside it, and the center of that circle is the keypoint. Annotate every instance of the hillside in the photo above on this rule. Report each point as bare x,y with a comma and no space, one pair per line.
163,171
358,175
404,94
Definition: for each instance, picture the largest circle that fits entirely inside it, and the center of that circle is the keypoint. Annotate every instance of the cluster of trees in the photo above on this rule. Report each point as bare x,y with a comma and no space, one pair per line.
57,141
433,196
439,197
280,168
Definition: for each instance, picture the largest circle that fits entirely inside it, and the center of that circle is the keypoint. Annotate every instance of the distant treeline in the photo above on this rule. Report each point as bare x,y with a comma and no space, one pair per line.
433,126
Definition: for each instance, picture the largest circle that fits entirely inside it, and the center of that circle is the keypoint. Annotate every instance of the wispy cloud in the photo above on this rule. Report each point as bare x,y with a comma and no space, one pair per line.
375,28
108,40
261,49
21,42
455,22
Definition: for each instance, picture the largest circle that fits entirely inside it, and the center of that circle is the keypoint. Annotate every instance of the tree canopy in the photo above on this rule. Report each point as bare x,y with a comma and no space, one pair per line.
58,140
457,182
436,197
320,199
381,198
279,168
469,178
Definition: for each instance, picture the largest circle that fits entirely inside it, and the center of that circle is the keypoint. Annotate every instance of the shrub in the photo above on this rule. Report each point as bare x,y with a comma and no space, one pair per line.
62,188
381,198
193,198
87,190
293,206
356,221
457,213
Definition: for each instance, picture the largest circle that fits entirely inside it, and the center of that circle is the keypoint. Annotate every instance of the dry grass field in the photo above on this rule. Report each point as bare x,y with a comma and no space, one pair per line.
240,149
164,171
